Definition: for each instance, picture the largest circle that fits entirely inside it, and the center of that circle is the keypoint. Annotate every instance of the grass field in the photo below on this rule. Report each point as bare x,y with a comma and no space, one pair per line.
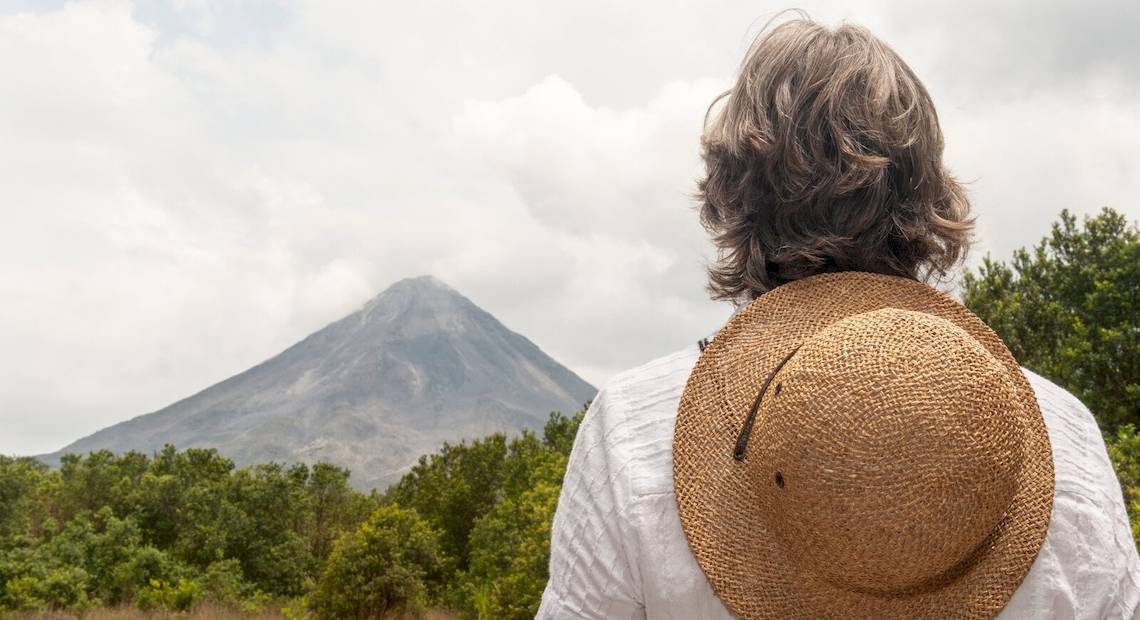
202,612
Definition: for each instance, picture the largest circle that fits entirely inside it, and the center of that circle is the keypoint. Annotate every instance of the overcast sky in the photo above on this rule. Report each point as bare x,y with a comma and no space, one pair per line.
189,187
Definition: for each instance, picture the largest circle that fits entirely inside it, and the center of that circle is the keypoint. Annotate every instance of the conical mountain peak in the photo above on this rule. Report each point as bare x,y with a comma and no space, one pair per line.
420,285
423,302
418,365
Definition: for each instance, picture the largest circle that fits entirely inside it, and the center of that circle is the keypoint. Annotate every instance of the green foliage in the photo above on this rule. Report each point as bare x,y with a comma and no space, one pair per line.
1124,450
468,528
1068,310
145,570
56,588
492,501
19,480
223,582
380,567
167,531
181,595
453,487
510,551
559,432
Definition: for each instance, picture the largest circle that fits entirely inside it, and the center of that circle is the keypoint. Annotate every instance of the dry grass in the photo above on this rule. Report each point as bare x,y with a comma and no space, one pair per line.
202,612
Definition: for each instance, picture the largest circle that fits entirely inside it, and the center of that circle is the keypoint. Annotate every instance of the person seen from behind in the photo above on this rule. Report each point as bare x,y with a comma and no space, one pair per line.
852,443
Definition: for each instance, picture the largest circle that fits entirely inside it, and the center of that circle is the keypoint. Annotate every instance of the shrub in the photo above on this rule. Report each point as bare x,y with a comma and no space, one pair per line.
379,568
223,582
58,588
181,595
1124,450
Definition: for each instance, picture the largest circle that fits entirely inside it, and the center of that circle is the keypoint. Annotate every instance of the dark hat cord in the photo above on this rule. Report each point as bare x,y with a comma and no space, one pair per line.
746,432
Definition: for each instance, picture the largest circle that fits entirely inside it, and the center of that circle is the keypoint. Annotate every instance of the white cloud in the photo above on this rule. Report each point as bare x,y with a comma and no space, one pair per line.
188,187
1070,150
613,243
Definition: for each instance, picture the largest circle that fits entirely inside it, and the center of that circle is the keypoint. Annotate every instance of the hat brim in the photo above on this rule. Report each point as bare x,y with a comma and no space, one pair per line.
747,568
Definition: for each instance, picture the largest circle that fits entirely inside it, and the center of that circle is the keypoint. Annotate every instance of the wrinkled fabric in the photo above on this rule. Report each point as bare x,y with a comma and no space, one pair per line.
618,551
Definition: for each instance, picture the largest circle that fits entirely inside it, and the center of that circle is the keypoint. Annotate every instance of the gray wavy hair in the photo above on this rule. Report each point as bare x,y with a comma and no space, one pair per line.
826,156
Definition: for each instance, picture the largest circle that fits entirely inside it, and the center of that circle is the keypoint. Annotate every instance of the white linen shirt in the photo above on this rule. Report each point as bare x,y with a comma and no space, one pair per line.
617,549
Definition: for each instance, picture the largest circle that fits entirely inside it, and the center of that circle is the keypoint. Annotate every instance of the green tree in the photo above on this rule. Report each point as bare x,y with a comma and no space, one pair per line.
179,499
468,528
1124,450
19,479
152,579
55,588
267,536
559,432
510,546
1067,309
167,531
379,568
99,479
453,488
335,507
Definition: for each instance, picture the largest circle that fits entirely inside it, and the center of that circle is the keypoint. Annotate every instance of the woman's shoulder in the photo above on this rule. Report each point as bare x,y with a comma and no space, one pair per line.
1088,551
668,373
631,420
1073,431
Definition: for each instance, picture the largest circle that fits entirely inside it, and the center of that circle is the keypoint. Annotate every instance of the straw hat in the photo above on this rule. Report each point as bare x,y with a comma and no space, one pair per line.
854,445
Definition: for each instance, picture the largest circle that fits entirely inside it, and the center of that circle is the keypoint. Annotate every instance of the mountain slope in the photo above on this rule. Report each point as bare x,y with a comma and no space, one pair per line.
417,365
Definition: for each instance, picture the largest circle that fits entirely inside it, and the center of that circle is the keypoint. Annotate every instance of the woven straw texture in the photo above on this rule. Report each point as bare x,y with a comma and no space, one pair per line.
898,465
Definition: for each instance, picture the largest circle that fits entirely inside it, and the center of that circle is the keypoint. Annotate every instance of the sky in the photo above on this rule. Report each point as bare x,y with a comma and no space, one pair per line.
188,187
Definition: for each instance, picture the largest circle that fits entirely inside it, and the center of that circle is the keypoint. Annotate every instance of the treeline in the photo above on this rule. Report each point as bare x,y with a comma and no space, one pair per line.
167,531
467,529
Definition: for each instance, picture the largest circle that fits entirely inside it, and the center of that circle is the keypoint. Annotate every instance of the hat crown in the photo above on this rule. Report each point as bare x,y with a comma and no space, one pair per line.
885,453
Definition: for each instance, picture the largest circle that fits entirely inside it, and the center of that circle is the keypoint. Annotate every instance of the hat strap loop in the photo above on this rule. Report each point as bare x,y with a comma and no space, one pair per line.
746,432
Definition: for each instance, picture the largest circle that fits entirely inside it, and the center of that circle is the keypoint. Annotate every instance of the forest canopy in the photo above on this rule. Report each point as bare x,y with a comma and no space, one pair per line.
466,529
